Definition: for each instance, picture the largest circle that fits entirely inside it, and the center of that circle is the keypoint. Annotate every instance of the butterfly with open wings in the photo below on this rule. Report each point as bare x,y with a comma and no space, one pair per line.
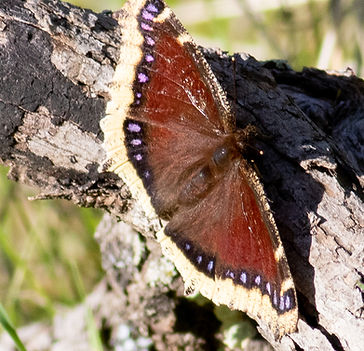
171,135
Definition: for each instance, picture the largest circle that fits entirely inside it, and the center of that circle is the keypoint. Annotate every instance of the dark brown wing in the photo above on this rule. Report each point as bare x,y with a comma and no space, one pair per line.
228,247
163,117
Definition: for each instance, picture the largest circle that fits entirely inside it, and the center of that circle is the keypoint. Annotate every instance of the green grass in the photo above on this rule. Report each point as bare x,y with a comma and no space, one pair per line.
40,242
9,328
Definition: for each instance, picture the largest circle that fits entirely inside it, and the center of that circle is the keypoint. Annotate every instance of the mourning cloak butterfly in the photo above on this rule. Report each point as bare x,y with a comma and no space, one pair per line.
170,135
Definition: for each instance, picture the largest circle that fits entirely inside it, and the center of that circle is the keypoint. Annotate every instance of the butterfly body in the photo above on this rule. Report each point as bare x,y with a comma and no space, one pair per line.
170,135
206,173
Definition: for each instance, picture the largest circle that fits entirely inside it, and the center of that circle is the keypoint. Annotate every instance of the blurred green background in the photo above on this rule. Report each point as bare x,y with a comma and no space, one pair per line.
43,244
327,34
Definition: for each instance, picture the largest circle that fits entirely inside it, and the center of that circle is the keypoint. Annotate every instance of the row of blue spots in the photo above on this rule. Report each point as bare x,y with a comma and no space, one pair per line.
149,12
282,303
134,136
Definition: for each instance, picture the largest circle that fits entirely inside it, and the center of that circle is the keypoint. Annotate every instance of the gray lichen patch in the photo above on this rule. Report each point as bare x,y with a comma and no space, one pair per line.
65,145
81,69
3,37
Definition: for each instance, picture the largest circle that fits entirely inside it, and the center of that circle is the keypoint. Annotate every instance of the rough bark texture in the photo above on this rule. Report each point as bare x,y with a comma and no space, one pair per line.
56,62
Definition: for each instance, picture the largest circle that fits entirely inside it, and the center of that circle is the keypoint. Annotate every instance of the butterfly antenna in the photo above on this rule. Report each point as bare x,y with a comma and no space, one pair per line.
234,78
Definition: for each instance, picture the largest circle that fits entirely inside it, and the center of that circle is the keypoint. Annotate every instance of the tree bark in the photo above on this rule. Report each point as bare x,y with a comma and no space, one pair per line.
56,62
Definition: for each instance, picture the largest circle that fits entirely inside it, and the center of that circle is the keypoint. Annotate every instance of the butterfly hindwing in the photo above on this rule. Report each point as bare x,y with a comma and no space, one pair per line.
231,251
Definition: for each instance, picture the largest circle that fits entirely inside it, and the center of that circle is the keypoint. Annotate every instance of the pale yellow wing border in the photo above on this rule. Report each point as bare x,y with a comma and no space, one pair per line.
224,291
117,109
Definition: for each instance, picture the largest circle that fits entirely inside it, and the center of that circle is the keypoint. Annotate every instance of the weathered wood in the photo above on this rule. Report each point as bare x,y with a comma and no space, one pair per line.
56,62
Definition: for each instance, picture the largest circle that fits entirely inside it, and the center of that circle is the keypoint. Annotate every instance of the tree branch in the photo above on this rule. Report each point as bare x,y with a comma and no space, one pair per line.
56,63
